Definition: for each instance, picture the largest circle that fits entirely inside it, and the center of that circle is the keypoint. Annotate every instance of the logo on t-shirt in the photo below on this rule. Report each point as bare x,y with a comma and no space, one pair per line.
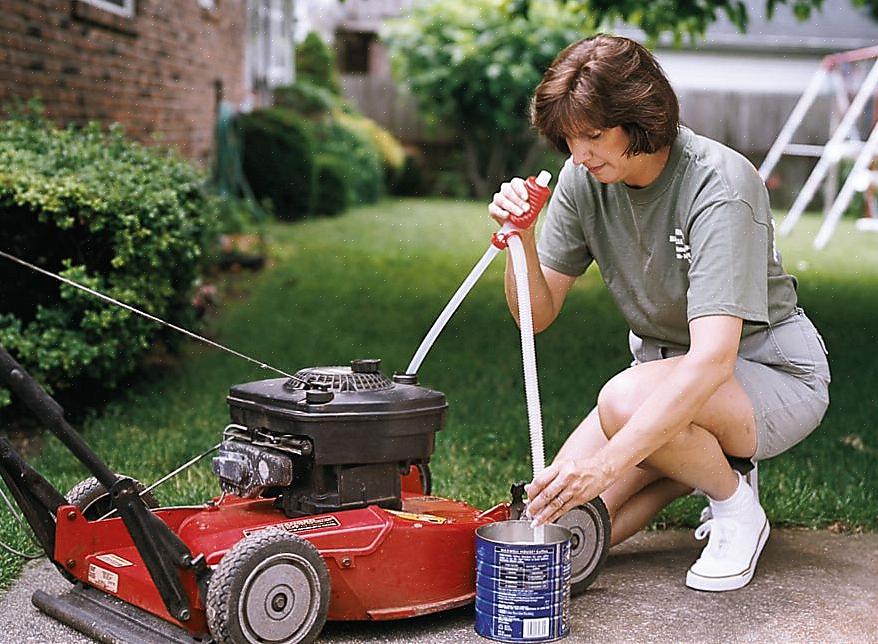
680,246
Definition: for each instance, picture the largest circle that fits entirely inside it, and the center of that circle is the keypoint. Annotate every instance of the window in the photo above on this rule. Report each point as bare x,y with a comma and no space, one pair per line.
353,51
119,7
270,43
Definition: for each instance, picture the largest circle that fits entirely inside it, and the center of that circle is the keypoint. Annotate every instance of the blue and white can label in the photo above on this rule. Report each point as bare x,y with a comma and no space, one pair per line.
522,588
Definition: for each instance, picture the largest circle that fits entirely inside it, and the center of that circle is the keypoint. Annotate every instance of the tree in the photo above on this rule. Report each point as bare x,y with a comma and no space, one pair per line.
315,63
474,64
689,18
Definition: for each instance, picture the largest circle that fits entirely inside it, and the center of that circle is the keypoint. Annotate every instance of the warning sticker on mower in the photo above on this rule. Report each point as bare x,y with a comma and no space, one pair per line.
114,560
100,578
301,525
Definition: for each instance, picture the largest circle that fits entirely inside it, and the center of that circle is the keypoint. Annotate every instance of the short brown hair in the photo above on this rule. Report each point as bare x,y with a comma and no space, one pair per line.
603,82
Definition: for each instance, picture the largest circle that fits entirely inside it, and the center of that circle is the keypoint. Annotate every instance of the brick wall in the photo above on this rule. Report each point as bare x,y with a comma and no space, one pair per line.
157,73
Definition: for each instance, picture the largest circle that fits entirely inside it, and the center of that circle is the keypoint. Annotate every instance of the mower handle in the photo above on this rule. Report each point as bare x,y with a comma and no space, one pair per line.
51,414
162,551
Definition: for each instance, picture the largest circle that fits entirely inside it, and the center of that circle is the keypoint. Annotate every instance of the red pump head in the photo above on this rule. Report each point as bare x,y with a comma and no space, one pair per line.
537,194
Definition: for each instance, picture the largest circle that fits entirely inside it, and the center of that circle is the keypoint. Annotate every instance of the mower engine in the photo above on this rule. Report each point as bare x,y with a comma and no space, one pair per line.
329,439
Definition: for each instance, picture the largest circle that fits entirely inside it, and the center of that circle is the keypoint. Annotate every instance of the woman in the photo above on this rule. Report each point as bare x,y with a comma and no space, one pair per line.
725,363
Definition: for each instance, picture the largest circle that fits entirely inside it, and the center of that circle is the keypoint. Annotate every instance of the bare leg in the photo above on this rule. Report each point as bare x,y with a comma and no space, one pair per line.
636,484
725,426
695,456
641,508
586,440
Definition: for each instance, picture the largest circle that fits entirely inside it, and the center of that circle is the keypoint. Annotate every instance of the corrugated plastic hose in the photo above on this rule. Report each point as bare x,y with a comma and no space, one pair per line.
529,362
507,237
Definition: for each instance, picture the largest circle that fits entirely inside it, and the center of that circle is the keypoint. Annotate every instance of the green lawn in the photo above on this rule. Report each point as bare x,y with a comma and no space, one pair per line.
370,283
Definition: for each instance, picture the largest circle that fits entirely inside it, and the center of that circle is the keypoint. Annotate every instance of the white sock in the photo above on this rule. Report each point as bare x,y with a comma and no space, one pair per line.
740,501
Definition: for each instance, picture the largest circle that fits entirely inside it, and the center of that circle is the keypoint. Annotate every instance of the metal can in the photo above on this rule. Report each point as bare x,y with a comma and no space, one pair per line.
522,587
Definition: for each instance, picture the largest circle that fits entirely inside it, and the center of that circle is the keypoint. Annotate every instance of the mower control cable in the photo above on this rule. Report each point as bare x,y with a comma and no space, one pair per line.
128,307
25,529
192,461
20,521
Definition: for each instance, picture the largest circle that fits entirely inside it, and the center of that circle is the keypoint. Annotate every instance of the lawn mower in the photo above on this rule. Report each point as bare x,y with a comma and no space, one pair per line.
326,508
326,512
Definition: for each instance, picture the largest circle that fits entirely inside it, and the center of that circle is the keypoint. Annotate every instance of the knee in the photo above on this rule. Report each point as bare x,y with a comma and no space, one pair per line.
685,437
617,402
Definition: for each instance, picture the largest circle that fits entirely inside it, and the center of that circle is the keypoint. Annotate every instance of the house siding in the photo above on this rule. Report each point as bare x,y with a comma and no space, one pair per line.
157,73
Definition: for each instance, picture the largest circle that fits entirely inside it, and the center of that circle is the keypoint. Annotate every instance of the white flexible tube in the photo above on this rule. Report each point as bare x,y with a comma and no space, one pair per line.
529,361
528,351
450,308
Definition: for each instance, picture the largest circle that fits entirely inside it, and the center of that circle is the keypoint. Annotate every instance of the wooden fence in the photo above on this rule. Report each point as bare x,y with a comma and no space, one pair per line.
747,122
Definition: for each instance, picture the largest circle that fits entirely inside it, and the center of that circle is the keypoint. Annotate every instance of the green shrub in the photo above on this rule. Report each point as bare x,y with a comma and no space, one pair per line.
410,182
332,187
306,98
238,211
389,149
356,155
239,216
450,183
315,62
473,65
278,160
127,221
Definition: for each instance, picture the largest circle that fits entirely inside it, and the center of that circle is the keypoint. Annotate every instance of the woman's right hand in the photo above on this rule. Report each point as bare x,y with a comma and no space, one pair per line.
511,199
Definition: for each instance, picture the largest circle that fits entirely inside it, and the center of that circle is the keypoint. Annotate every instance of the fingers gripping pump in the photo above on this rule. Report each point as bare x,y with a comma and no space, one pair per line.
538,192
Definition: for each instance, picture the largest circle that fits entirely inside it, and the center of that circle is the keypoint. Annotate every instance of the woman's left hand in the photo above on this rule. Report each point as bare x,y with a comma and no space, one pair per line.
564,485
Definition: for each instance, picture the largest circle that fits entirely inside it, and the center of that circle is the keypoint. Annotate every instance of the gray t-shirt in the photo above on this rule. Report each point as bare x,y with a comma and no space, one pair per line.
697,241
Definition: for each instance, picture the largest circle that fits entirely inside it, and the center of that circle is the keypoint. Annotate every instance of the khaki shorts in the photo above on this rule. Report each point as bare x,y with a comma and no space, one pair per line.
784,371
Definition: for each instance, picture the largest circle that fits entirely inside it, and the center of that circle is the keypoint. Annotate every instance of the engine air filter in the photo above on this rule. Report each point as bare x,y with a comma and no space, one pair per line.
362,375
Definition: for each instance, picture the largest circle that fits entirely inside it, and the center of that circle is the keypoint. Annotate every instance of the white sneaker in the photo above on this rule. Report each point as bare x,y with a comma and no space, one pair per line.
737,536
705,516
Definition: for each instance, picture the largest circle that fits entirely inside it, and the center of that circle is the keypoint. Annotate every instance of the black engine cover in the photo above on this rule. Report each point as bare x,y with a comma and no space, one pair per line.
349,432
389,422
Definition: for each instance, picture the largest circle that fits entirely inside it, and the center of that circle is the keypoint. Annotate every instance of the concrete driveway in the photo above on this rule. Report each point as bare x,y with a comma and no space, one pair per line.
811,586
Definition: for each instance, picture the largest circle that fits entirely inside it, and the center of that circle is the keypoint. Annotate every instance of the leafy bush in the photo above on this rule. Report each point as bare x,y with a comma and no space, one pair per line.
389,149
315,62
278,160
449,183
127,221
473,66
239,216
239,212
340,132
306,98
411,178
366,156
358,157
355,155
332,187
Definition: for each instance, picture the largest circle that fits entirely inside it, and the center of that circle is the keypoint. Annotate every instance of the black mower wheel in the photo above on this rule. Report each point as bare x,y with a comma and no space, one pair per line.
590,525
426,478
272,587
92,499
